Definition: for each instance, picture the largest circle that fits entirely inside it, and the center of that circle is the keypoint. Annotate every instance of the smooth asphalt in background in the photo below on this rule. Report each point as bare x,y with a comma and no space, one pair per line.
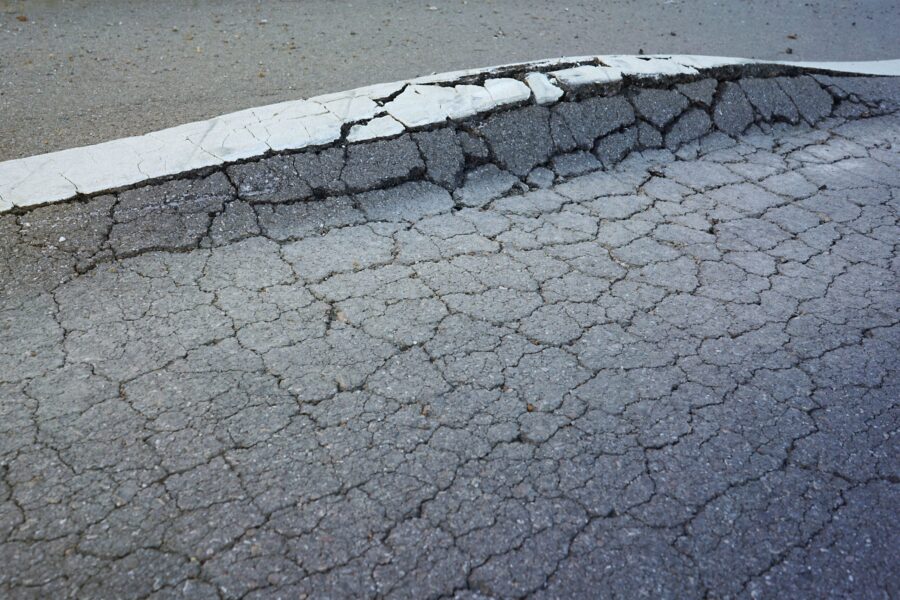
77,73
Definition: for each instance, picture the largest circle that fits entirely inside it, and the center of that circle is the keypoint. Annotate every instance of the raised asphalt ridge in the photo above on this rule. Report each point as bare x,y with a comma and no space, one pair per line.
368,113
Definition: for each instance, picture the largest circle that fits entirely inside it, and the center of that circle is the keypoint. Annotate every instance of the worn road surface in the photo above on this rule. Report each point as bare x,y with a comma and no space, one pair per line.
87,71
677,378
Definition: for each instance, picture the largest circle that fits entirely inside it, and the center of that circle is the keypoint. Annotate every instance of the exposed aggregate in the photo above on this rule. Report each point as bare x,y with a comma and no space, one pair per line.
673,376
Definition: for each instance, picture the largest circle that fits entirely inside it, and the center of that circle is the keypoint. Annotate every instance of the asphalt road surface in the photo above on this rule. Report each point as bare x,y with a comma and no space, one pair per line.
81,72
674,379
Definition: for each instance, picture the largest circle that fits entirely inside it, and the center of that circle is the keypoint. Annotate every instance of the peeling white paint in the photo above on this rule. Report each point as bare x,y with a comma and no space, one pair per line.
425,104
376,128
879,67
318,121
543,89
704,62
34,180
352,108
648,66
587,75
420,105
507,91
373,92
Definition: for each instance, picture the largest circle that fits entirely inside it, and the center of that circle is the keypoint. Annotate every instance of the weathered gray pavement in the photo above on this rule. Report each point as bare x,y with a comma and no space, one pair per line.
676,378
86,71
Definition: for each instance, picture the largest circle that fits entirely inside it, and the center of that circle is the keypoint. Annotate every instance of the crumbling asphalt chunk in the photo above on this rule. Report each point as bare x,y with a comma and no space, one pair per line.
689,127
269,180
236,222
321,171
167,216
519,139
659,106
813,103
563,139
732,112
473,147
874,92
649,136
702,92
79,229
574,163
444,158
294,221
615,146
769,99
374,164
483,184
540,177
592,118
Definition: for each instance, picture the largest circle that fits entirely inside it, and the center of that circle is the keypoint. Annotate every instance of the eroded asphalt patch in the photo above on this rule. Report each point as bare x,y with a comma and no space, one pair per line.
673,378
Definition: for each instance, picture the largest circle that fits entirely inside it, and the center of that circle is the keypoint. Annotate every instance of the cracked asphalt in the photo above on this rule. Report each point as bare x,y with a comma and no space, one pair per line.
86,71
677,377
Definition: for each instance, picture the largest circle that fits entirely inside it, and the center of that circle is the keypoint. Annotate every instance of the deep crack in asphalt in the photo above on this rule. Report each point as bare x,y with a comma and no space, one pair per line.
675,377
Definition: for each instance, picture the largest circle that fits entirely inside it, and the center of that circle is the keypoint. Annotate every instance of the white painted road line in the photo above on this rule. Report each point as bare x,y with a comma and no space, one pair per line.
374,112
